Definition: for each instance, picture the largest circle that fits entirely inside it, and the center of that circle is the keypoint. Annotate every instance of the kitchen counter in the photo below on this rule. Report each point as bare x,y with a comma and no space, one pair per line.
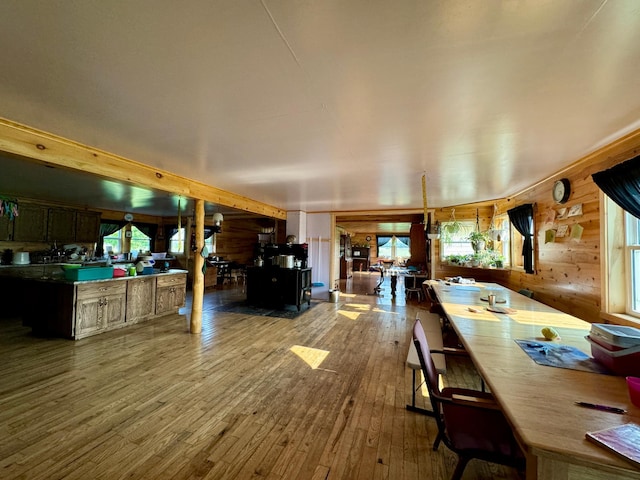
52,272
77,309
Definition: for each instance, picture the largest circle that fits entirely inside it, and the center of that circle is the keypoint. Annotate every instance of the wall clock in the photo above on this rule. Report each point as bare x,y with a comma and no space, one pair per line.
368,238
561,190
128,217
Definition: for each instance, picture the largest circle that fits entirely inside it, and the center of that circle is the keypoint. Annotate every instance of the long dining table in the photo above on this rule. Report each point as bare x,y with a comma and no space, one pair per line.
539,400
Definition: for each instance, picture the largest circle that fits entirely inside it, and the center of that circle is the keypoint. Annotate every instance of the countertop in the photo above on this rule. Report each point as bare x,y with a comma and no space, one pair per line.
52,272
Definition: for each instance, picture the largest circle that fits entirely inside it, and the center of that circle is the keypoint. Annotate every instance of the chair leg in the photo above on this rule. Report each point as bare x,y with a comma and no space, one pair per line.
436,444
462,463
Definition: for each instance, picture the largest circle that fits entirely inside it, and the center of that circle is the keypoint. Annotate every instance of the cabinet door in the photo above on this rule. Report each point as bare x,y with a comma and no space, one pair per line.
87,227
62,225
99,306
31,224
6,229
89,316
141,298
171,293
113,310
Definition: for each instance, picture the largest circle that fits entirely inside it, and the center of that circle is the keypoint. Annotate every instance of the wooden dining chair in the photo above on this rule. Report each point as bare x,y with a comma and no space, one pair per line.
470,423
526,292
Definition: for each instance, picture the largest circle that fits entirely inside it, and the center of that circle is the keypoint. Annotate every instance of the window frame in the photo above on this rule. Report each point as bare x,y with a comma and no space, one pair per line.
614,265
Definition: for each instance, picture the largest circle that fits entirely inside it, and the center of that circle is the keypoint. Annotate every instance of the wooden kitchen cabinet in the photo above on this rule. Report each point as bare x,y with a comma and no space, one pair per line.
67,225
141,298
171,293
61,226
6,229
100,306
87,226
31,224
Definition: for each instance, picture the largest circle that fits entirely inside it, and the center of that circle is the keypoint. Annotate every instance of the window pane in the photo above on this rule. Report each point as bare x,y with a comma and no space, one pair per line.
397,248
454,240
112,243
635,281
176,242
139,241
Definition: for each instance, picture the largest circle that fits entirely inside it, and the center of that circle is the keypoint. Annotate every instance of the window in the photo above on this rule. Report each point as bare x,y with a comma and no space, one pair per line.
139,241
502,244
113,243
176,242
454,238
632,261
393,247
116,241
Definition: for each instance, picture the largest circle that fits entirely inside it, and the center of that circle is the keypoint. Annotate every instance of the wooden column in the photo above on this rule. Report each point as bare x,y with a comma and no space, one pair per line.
198,276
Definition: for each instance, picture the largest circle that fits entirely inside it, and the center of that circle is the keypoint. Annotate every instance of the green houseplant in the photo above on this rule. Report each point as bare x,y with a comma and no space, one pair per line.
478,240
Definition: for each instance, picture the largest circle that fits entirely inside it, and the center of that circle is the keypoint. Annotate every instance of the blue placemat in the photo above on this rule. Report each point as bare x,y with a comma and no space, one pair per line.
562,356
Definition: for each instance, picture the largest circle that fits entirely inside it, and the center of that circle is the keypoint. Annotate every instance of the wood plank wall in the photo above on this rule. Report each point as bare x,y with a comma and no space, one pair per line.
568,273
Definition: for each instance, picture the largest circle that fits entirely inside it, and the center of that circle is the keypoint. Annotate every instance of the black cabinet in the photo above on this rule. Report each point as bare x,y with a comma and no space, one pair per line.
275,286
360,259
346,260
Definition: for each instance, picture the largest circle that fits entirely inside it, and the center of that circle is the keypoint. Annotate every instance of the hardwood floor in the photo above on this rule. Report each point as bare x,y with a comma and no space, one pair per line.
319,397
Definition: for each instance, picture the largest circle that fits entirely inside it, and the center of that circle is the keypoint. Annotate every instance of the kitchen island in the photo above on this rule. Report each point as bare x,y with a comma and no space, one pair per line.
52,305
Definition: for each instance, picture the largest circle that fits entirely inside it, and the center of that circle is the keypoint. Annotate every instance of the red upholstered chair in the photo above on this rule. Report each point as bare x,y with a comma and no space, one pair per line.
470,423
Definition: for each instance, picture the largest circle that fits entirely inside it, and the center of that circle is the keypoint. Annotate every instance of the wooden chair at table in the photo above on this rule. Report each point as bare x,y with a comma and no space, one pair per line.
470,423
526,292
412,289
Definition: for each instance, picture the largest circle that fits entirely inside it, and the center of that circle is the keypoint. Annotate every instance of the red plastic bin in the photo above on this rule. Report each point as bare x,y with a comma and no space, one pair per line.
621,361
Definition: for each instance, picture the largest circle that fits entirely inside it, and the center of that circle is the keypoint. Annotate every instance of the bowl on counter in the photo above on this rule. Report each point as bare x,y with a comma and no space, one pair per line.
158,255
21,258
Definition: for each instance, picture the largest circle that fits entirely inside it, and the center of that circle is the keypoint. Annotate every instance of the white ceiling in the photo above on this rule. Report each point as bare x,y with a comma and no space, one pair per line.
330,105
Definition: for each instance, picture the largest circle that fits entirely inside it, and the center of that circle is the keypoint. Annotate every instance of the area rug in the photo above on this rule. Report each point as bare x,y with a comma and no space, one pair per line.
244,308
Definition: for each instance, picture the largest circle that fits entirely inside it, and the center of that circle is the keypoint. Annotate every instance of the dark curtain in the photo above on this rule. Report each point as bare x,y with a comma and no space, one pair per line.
149,229
107,229
622,184
522,219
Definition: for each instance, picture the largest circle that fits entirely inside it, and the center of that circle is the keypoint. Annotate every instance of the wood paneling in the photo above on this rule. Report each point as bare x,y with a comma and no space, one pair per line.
568,273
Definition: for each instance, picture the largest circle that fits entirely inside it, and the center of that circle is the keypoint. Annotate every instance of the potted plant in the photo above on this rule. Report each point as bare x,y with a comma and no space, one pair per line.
478,240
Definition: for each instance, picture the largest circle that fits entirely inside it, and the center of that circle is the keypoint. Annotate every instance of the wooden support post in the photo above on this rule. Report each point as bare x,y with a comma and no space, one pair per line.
198,276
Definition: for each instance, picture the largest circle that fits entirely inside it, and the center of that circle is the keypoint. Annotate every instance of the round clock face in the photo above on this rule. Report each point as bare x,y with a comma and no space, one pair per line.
561,190
368,238
128,217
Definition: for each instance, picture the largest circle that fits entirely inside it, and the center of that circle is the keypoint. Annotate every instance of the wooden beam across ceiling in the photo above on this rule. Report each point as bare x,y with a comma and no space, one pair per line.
27,142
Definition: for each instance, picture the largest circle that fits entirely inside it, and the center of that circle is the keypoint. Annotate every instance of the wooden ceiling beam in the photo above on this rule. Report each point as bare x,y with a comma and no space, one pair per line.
27,142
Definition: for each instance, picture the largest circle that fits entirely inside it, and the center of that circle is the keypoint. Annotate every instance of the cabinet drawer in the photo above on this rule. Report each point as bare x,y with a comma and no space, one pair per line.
168,280
100,289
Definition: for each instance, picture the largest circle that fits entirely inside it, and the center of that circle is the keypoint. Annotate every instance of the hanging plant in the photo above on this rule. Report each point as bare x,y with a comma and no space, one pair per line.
450,228
494,233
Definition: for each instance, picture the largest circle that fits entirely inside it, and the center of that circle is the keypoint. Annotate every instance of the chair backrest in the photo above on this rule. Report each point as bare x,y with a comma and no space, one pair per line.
426,362
525,292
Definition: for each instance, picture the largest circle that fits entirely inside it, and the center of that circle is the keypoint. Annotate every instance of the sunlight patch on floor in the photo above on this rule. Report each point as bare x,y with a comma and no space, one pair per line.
349,314
359,306
379,310
311,356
